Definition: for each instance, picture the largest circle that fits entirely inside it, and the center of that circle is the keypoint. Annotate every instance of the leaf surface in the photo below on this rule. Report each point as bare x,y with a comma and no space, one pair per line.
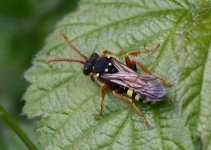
195,79
66,99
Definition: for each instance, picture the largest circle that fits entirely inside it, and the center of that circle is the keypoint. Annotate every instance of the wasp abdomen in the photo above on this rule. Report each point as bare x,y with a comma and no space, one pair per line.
135,96
139,97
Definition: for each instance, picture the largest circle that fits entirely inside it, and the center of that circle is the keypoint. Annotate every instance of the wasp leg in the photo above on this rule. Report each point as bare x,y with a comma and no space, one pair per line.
91,75
130,63
107,53
130,102
102,94
147,71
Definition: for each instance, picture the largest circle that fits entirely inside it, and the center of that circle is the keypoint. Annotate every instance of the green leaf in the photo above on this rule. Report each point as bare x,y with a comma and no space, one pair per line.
195,80
66,100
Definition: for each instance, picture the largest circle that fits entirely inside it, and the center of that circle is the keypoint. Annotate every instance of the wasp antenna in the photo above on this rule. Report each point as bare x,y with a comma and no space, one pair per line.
64,59
72,47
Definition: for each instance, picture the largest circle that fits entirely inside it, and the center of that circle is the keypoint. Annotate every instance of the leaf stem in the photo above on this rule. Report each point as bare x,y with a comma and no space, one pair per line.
10,121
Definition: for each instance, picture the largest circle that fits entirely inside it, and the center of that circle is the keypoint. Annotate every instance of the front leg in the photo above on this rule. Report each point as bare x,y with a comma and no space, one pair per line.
92,76
103,86
108,53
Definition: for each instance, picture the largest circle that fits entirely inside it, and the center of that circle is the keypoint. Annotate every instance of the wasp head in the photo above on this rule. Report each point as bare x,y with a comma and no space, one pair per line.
90,63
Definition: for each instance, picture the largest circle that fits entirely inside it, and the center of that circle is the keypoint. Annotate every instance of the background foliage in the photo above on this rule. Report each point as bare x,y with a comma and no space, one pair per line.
24,25
66,100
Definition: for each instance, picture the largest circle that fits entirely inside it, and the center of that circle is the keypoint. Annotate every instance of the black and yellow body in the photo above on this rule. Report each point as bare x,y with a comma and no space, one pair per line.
120,78
99,65
135,96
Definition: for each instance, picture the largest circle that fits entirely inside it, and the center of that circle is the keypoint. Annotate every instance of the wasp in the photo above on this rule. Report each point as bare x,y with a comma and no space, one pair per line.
121,78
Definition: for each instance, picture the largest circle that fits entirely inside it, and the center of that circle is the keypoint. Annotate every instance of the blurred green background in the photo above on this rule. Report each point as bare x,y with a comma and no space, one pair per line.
24,25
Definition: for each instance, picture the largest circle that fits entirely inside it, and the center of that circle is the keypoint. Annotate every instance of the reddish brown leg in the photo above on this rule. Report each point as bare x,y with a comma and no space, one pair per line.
102,94
107,52
91,75
130,102
147,71
131,64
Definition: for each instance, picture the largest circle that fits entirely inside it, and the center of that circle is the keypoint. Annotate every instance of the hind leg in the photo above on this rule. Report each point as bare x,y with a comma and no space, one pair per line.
147,71
103,86
135,108
133,63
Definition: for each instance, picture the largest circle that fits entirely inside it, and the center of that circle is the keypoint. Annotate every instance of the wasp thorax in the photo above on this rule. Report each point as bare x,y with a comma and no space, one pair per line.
90,63
104,65
101,65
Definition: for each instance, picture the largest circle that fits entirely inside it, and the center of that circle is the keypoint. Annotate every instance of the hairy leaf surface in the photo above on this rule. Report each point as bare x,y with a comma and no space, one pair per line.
66,100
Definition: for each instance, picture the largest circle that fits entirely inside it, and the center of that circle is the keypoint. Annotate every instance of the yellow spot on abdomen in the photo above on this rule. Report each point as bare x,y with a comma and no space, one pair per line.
129,92
137,97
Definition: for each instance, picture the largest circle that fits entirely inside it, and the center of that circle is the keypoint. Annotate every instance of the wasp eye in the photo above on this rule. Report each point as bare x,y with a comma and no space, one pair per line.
86,71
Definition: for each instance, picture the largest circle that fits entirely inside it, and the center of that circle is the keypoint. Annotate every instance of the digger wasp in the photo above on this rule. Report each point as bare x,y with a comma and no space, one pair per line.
121,78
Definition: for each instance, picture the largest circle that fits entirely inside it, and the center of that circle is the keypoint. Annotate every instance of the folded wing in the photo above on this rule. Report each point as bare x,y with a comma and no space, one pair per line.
146,85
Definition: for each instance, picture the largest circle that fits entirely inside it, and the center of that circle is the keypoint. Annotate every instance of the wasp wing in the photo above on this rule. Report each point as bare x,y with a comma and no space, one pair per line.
145,85
121,67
